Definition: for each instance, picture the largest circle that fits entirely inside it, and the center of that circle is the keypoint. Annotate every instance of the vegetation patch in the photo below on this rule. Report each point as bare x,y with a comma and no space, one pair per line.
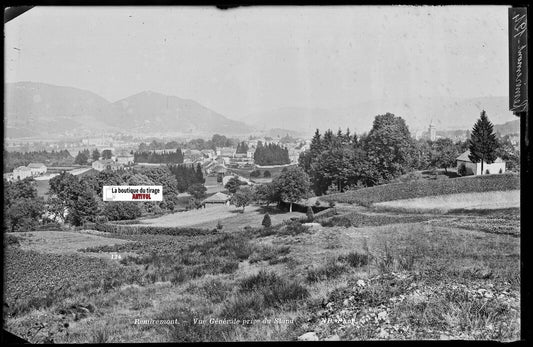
34,280
151,230
268,289
332,269
356,219
272,254
421,188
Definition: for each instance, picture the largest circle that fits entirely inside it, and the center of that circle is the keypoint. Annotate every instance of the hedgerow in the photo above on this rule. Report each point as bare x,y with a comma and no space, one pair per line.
152,230
421,188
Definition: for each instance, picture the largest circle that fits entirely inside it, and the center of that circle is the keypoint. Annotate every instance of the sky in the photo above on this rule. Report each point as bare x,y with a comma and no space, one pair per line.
249,60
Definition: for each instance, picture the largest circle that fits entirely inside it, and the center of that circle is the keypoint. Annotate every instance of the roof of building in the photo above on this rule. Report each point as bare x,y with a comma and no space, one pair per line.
464,157
218,197
36,165
22,168
219,168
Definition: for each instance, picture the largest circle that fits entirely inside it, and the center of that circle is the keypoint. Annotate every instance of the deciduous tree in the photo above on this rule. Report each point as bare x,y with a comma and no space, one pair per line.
292,185
242,197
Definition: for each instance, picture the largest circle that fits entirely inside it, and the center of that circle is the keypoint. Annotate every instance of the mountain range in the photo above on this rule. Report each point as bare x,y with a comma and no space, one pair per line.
43,110
445,113
39,109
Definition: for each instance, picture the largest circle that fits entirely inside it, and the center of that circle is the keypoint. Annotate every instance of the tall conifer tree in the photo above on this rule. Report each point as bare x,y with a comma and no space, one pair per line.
483,143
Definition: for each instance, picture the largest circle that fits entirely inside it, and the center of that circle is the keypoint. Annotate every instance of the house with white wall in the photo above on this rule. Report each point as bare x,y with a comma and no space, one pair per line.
498,167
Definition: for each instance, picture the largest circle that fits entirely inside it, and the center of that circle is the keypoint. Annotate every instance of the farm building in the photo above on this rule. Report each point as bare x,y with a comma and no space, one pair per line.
101,165
37,168
217,199
125,159
22,172
498,167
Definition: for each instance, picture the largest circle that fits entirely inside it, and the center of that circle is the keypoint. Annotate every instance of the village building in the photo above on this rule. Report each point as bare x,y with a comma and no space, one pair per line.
498,167
21,172
227,152
208,153
37,169
125,159
108,164
241,159
217,199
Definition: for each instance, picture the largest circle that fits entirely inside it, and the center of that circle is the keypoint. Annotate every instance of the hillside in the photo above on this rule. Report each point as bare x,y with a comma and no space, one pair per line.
512,127
39,109
154,111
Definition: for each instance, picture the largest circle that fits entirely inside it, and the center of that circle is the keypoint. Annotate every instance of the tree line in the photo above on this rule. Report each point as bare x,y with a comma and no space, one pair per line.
54,158
271,154
77,200
216,140
186,176
163,158
336,162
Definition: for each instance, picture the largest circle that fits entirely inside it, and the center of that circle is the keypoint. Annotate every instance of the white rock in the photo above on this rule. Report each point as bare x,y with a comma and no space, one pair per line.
361,283
310,336
333,338
383,334
382,315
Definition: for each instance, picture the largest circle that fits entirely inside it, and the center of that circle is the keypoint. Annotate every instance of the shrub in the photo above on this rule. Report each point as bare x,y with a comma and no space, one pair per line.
267,223
342,221
219,225
120,210
354,259
310,214
267,252
317,203
294,227
245,305
487,172
255,173
273,289
330,212
11,240
324,272
214,290
267,174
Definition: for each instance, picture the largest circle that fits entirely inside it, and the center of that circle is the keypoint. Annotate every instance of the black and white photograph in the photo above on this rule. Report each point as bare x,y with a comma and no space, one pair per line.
263,173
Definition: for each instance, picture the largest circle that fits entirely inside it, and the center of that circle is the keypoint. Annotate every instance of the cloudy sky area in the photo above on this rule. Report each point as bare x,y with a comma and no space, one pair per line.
254,59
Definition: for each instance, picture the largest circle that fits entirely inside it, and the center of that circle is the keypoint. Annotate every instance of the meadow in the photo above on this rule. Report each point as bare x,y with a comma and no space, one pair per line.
357,273
423,188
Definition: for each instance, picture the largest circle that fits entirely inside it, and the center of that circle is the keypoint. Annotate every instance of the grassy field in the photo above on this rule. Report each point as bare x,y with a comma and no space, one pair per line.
62,242
444,203
229,216
423,188
357,274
